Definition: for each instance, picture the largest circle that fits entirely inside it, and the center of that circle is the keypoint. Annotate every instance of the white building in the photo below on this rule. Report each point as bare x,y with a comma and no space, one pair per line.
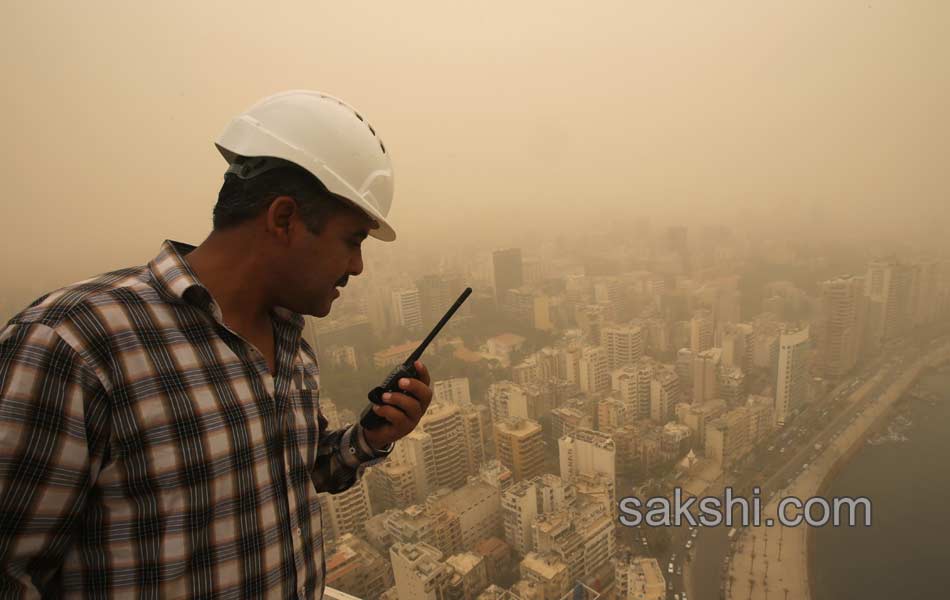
406,308
791,385
587,452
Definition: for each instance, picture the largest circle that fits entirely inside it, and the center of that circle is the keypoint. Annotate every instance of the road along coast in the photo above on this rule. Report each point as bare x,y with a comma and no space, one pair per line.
772,562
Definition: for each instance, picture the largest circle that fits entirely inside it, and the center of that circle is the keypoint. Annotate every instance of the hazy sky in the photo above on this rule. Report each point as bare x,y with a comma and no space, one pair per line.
513,115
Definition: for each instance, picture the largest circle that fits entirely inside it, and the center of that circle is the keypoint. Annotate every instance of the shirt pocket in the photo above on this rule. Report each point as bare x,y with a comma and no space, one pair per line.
303,405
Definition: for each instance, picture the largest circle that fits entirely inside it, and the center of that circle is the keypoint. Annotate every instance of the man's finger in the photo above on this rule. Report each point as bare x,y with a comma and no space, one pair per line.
408,404
416,389
423,372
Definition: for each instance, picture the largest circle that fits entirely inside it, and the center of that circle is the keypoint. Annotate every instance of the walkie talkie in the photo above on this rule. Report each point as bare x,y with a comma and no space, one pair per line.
369,419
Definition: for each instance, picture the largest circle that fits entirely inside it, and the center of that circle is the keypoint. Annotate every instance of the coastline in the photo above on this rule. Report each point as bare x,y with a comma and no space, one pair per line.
758,569
881,422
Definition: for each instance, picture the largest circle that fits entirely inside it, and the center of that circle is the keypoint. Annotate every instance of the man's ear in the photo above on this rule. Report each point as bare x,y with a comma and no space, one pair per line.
280,216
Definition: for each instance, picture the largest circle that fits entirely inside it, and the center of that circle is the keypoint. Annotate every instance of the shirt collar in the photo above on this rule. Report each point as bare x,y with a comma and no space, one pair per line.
175,279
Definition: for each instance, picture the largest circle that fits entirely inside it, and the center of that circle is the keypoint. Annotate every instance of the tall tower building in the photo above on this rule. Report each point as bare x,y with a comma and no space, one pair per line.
664,395
443,422
624,344
841,325
888,286
706,375
594,375
738,345
508,272
791,386
701,331
476,423
417,450
406,308
519,445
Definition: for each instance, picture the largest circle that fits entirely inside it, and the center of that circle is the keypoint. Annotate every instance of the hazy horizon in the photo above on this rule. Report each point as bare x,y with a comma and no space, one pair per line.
504,120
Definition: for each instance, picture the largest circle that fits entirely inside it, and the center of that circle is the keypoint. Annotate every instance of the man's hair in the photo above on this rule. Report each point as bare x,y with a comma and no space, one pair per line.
241,200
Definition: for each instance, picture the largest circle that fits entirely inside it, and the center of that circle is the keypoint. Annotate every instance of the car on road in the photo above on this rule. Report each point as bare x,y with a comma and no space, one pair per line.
689,544
669,568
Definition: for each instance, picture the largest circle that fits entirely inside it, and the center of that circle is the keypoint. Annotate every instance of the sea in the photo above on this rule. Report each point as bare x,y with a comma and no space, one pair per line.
905,472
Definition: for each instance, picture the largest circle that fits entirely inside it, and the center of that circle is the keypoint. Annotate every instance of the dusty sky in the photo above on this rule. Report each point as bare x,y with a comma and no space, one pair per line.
502,117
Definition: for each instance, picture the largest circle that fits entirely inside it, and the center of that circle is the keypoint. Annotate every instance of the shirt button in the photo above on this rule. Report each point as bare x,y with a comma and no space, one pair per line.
299,531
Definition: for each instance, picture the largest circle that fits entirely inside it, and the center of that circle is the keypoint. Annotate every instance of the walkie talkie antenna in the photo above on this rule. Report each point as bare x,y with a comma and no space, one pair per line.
435,330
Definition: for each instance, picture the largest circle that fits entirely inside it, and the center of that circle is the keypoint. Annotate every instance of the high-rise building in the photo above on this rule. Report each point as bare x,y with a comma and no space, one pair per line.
392,485
727,437
519,445
889,287
346,511
701,331
624,344
732,385
632,383
664,395
841,325
476,505
452,391
527,499
706,375
429,524
594,374
684,370
737,345
477,427
698,416
508,273
406,308
507,399
791,386
416,450
583,538
765,341
611,414
587,452
443,422
607,294
924,294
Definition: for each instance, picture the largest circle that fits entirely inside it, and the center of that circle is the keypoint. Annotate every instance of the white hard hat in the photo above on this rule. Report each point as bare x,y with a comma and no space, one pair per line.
325,136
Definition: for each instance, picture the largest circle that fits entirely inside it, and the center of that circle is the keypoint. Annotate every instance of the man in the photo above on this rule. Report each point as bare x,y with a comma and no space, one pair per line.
160,430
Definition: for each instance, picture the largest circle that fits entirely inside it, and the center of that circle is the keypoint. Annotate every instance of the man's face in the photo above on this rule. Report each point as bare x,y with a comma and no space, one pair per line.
319,263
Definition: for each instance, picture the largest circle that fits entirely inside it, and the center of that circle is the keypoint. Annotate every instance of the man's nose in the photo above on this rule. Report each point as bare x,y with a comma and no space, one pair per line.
356,265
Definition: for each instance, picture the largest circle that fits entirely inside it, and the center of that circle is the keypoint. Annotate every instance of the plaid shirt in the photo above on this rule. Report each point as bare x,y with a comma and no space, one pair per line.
146,451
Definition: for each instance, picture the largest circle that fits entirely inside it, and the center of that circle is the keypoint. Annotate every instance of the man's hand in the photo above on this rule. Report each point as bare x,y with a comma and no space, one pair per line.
401,422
